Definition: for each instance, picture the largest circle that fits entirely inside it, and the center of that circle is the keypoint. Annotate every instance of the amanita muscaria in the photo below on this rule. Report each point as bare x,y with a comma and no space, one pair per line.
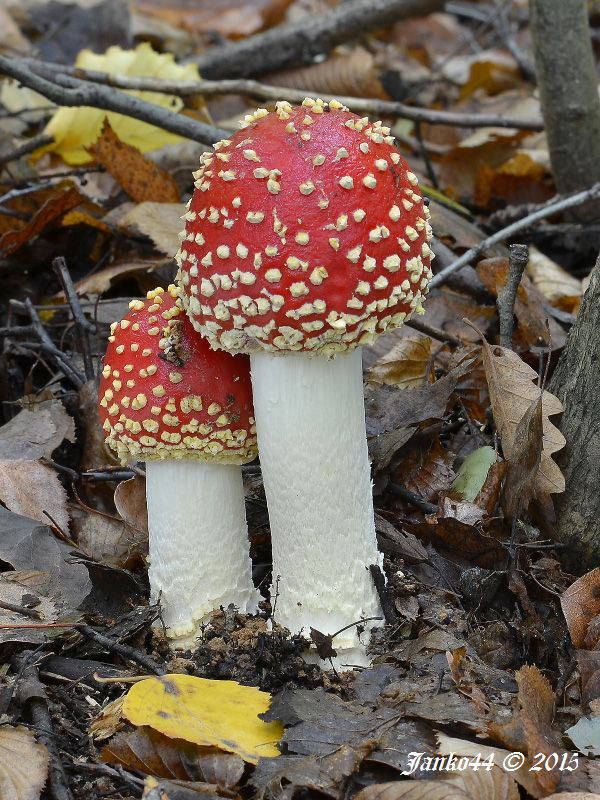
167,399
305,238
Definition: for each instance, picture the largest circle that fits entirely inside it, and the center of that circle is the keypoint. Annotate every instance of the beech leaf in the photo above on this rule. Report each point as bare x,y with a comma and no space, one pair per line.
23,764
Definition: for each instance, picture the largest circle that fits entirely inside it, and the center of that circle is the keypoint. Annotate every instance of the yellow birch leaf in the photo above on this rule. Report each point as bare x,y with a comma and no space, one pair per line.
75,129
206,712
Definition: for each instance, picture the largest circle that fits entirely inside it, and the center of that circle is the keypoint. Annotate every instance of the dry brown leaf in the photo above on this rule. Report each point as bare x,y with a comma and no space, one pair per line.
50,212
101,281
557,285
153,753
18,587
425,471
351,73
524,465
138,175
472,785
108,539
37,430
233,18
72,218
23,764
573,796
130,502
29,488
160,221
405,365
511,387
580,603
520,179
108,721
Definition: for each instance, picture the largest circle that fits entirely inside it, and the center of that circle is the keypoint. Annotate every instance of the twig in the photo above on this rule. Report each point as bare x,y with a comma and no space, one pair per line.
413,499
26,612
84,327
101,475
390,614
435,333
593,193
38,704
48,345
265,91
27,147
518,256
299,42
66,91
124,650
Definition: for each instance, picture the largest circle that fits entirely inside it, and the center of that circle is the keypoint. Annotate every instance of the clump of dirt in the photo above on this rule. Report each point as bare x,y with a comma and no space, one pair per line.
252,652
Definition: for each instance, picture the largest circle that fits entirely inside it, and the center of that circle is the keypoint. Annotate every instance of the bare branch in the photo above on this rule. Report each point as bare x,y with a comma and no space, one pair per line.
593,193
67,91
517,261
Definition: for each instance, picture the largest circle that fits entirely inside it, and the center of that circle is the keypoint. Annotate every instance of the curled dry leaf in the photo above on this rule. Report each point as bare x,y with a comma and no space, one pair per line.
101,281
36,431
107,539
130,501
138,175
153,753
580,603
406,365
524,464
23,764
557,285
160,221
472,785
511,388
50,212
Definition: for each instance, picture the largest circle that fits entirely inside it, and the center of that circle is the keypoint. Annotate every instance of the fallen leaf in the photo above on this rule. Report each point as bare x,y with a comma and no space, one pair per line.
153,753
524,464
493,784
511,388
160,221
25,544
30,488
138,175
23,764
50,212
557,285
580,603
206,712
75,129
37,430
585,735
15,587
107,539
406,365
101,281
130,502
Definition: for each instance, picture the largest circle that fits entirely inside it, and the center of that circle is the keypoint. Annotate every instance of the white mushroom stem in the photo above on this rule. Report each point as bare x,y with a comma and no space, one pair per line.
310,423
198,542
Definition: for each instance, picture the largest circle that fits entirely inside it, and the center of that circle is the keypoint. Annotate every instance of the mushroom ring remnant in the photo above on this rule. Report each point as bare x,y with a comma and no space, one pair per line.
167,399
305,238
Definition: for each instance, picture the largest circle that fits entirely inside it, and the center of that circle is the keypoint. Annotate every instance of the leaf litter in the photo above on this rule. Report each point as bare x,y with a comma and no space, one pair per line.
459,433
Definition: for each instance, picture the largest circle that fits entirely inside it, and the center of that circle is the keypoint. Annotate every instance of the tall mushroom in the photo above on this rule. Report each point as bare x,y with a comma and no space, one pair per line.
307,237
167,399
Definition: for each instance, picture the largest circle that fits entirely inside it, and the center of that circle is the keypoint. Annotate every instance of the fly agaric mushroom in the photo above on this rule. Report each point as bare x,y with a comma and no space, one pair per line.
307,237
167,399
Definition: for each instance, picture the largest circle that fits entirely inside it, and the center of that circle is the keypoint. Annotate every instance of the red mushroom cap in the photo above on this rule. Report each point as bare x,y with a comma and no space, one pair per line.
306,231
164,394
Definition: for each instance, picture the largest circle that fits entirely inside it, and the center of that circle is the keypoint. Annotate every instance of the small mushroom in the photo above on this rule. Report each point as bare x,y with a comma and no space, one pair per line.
167,399
306,238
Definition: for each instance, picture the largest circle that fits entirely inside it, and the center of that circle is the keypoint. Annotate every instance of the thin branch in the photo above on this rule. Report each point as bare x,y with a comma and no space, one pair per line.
300,42
84,327
27,147
517,261
66,91
593,193
435,333
263,91
124,650
47,344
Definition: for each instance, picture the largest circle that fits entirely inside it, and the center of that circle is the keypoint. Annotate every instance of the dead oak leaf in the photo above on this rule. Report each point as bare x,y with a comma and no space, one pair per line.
511,388
472,785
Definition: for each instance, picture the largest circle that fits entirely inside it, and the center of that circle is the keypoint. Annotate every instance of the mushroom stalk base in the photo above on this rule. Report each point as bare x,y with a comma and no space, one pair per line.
310,422
198,542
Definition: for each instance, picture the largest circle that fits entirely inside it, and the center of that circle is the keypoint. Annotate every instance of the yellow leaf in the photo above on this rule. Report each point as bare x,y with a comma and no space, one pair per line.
75,129
206,712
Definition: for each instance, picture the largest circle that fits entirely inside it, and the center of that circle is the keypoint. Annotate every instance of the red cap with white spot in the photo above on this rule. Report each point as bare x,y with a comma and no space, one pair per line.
306,232
164,394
